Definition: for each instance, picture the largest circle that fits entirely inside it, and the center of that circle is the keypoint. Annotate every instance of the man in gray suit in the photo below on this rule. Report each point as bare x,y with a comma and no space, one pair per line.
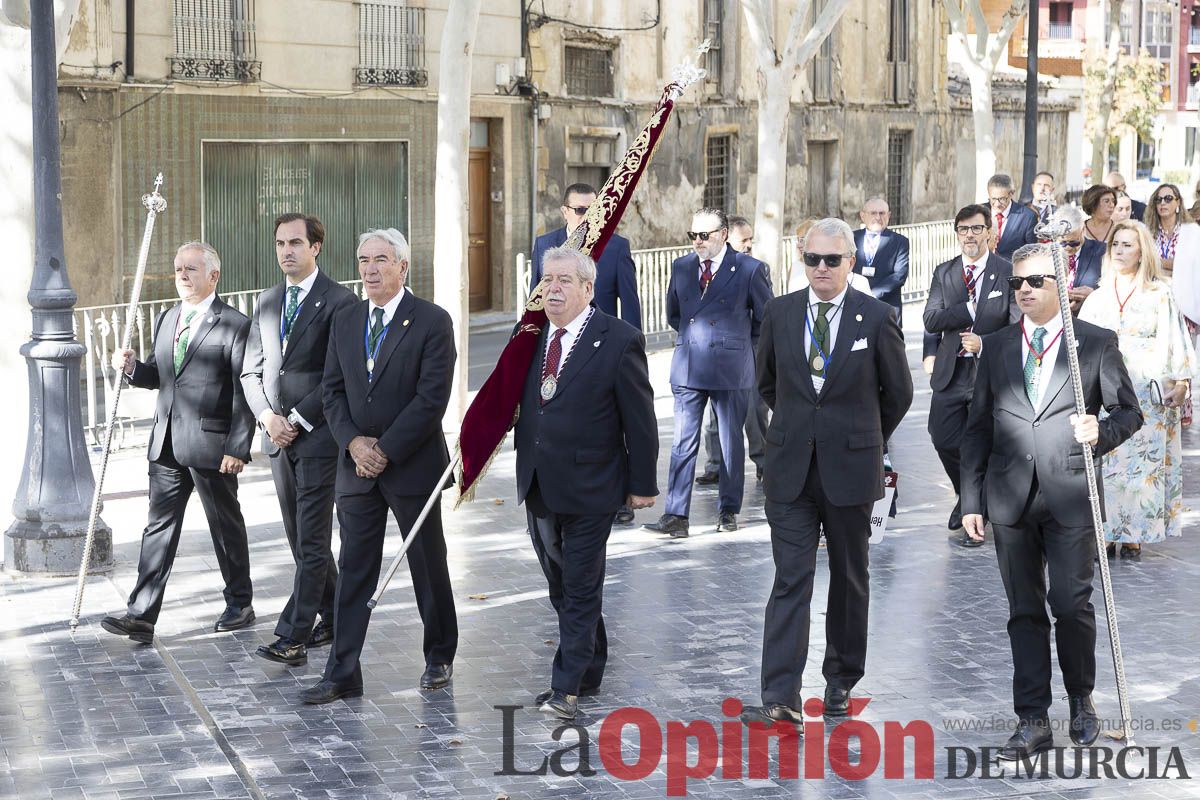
285,360
200,440
831,365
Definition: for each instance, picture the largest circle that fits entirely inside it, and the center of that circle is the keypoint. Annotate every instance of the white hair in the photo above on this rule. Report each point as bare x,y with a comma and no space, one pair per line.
834,227
1072,215
585,268
212,261
390,235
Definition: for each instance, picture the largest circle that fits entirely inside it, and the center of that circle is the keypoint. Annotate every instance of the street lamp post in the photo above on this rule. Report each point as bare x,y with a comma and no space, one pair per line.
1031,107
54,497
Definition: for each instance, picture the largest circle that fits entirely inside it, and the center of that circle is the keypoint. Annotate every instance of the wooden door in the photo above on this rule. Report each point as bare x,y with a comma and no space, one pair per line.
479,230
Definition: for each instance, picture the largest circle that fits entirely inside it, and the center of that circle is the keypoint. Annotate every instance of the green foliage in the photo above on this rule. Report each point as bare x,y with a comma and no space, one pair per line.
1137,94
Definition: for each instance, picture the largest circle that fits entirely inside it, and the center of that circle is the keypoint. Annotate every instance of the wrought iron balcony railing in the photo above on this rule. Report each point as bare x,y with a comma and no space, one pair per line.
391,45
214,41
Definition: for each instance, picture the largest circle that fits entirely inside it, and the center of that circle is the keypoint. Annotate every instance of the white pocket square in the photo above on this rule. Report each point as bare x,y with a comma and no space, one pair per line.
996,293
859,344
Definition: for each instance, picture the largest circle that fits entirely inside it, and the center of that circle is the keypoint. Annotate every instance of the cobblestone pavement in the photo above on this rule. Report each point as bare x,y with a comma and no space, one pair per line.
87,715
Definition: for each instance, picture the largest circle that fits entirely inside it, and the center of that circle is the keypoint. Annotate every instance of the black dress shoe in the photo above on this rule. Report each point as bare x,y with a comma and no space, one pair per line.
708,479
772,713
541,697
327,692
234,619
1130,552
1032,736
673,524
1110,549
1085,725
561,705
284,651
436,676
322,634
624,516
955,521
136,629
727,521
837,701
966,541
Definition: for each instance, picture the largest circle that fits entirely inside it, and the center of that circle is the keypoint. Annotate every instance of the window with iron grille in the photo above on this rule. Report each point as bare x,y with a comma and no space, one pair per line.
214,40
718,173
590,159
899,174
391,44
821,74
1060,20
714,31
898,69
588,71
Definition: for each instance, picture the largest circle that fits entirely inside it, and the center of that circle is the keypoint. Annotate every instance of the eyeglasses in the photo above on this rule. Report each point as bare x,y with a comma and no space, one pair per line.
832,260
962,230
1034,281
702,235
1073,243
579,210
1165,198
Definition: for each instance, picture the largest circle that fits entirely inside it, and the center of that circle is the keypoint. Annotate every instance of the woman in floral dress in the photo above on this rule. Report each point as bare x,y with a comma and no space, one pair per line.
1143,478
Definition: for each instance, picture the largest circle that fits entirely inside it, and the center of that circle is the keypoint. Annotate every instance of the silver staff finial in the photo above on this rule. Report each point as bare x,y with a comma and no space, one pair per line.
155,201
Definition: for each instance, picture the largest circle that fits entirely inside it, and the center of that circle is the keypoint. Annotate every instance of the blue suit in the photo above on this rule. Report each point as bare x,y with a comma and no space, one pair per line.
713,361
1088,262
887,270
1019,223
615,275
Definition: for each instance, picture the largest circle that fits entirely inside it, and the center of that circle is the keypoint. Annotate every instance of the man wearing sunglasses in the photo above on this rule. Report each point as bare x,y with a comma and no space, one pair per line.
1023,469
716,302
968,297
831,365
1084,257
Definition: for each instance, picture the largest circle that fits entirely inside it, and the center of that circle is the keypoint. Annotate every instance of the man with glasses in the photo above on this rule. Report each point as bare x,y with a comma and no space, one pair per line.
1023,469
1014,223
715,301
1114,180
1084,257
968,297
881,255
831,365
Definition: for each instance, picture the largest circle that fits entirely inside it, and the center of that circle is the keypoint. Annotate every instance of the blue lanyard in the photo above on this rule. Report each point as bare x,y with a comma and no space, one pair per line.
372,354
825,360
285,322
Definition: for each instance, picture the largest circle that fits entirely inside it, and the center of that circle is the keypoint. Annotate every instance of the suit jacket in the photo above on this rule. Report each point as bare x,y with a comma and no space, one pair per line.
717,331
616,275
1138,210
1088,263
867,391
1007,443
202,408
596,440
946,314
890,265
403,406
282,381
1019,222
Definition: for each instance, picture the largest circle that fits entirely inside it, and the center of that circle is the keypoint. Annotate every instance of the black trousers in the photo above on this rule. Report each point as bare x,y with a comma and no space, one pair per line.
171,486
948,410
1026,553
363,519
795,530
305,487
571,550
756,427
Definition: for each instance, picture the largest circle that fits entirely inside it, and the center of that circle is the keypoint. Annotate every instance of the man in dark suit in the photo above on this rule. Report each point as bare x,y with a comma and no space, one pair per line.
1022,468
285,362
1042,190
200,440
1085,257
968,297
1014,223
1114,180
387,384
831,365
881,255
616,277
587,443
715,301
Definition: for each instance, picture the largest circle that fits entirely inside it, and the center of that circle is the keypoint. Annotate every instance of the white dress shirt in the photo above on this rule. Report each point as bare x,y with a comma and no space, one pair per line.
186,308
716,263
835,320
389,310
1053,330
573,328
871,245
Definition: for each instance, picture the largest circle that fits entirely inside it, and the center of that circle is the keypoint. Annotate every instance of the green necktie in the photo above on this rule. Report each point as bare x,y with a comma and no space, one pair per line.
289,313
181,343
376,333
818,354
1031,366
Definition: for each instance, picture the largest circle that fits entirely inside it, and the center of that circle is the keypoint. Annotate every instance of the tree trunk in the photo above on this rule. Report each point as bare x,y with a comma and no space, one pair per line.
450,195
985,127
774,109
1104,103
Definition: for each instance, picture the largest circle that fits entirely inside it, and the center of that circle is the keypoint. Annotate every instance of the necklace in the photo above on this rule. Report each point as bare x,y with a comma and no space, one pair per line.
1122,303
1088,225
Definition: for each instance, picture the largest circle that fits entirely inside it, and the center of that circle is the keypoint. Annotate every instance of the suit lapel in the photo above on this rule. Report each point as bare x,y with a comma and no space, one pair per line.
270,311
723,276
848,328
212,319
308,311
585,347
689,295
397,330
796,327
1058,378
986,285
956,283
1014,368
164,346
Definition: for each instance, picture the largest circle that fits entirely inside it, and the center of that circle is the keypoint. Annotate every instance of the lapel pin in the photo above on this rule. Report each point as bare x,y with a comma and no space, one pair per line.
858,317
318,305
406,323
596,343
733,269
210,319
991,277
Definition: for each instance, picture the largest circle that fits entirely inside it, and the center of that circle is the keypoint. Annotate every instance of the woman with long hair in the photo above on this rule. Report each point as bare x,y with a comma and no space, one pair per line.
1143,478
1174,232
1098,203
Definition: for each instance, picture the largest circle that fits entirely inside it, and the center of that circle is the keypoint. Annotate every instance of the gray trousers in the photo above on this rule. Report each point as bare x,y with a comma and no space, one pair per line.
756,425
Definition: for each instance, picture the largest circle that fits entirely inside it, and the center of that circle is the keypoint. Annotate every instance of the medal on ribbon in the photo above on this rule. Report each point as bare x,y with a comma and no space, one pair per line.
549,387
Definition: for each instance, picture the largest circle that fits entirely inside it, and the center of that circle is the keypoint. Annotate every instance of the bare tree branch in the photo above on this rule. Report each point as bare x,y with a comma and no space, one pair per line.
760,28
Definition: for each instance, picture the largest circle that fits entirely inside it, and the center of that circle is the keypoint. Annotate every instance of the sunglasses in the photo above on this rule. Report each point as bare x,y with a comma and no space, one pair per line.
975,229
1073,244
1165,198
702,235
1034,281
579,210
832,260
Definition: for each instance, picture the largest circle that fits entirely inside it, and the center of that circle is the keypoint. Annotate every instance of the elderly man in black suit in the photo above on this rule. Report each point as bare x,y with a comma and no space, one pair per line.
1022,468
285,362
200,440
968,297
1085,257
1014,223
831,365
881,255
587,443
387,383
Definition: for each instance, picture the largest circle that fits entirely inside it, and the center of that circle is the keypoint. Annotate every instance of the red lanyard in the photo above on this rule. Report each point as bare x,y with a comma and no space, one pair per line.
1038,354
1122,303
